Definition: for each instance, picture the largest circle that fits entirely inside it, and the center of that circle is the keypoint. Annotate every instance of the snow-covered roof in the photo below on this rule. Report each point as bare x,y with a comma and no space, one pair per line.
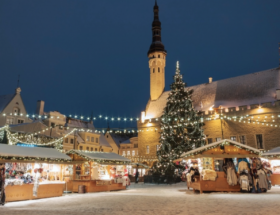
31,152
126,141
119,138
273,152
99,156
76,123
255,88
5,100
194,152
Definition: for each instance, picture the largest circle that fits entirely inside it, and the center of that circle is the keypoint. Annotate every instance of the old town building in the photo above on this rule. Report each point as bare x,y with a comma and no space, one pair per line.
244,108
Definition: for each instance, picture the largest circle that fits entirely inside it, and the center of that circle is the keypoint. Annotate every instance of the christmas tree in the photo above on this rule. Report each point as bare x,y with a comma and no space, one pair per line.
181,126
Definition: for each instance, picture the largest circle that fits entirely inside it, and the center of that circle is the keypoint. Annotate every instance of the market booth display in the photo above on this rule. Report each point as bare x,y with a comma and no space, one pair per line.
142,171
226,165
31,172
98,171
272,159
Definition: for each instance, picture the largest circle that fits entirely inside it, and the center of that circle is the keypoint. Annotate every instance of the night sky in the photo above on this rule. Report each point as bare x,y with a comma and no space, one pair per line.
83,56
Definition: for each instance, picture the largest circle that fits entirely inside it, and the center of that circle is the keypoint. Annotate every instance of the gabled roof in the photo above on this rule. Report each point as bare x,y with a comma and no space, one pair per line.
272,154
255,88
77,123
5,100
100,157
120,138
197,153
9,151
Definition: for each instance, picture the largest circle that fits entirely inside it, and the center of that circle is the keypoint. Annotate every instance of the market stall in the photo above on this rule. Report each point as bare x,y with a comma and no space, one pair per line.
142,171
32,172
99,171
273,160
225,165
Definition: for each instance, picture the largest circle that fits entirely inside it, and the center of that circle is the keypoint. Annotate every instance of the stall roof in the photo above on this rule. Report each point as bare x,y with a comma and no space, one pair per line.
272,154
140,165
194,152
7,151
106,156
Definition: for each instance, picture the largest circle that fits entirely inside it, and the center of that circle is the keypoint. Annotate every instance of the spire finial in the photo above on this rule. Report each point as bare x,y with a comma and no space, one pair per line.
18,81
156,3
177,65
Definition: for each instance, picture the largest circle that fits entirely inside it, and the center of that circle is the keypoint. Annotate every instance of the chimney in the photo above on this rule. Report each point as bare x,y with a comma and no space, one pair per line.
40,107
278,94
210,80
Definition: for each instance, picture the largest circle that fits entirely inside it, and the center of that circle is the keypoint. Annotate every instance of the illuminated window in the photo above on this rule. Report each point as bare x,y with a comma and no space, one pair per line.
233,138
128,153
218,139
157,147
147,149
88,138
123,153
10,121
133,153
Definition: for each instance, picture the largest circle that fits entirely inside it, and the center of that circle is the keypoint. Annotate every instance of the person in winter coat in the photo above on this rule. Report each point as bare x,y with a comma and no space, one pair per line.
136,176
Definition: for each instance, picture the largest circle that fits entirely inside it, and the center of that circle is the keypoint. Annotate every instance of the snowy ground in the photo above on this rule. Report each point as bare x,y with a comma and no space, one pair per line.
151,199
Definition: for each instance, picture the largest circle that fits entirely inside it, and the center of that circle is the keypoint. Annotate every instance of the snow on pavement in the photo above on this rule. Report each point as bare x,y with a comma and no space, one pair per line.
150,200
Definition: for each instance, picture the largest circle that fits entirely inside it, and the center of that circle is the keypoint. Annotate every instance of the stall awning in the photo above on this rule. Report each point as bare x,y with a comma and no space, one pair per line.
272,154
223,149
20,153
99,156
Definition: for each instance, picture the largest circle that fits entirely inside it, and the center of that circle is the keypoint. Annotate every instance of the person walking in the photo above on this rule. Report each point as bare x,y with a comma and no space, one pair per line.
136,176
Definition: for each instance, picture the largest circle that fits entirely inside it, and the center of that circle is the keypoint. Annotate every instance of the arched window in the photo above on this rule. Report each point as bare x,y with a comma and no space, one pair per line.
153,70
158,69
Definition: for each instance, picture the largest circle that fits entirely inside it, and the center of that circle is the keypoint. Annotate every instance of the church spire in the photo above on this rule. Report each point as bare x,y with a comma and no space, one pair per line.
156,45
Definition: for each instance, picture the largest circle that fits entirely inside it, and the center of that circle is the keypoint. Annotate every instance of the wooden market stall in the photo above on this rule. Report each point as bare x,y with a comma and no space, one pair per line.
32,172
142,170
273,156
98,171
211,155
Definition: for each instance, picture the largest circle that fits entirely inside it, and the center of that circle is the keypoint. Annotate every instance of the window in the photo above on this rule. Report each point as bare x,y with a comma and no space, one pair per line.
10,121
157,147
133,153
96,149
61,127
71,141
52,124
66,140
96,140
218,139
81,148
91,149
128,153
210,140
233,138
92,139
128,147
88,139
147,149
158,56
135,145
16,111
242,139
158,69
123,153
20,121
153,70
87,148
259,139
101,150
107,136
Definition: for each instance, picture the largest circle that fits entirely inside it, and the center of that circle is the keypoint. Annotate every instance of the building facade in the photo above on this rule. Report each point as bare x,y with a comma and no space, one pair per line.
245,108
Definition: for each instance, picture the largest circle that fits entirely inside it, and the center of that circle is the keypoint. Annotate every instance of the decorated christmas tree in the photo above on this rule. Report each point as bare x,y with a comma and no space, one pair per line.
181,126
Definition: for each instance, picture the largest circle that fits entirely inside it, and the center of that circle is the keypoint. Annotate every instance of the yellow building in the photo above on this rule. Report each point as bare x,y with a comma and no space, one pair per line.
245,108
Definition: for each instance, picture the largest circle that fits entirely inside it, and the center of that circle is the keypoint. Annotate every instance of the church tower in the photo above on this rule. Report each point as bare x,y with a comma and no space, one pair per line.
157,59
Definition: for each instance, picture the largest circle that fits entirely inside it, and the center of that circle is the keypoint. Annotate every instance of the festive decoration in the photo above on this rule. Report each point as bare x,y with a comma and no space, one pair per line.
181,126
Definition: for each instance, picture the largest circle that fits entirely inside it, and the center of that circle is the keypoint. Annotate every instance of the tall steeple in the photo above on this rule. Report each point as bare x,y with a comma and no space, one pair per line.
156,45
157,59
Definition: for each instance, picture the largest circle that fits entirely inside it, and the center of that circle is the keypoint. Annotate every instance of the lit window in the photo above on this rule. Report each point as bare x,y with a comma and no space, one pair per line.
147,149
88,139
233,138
128,153
133,153
157,147
218,139
9,121
123,153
